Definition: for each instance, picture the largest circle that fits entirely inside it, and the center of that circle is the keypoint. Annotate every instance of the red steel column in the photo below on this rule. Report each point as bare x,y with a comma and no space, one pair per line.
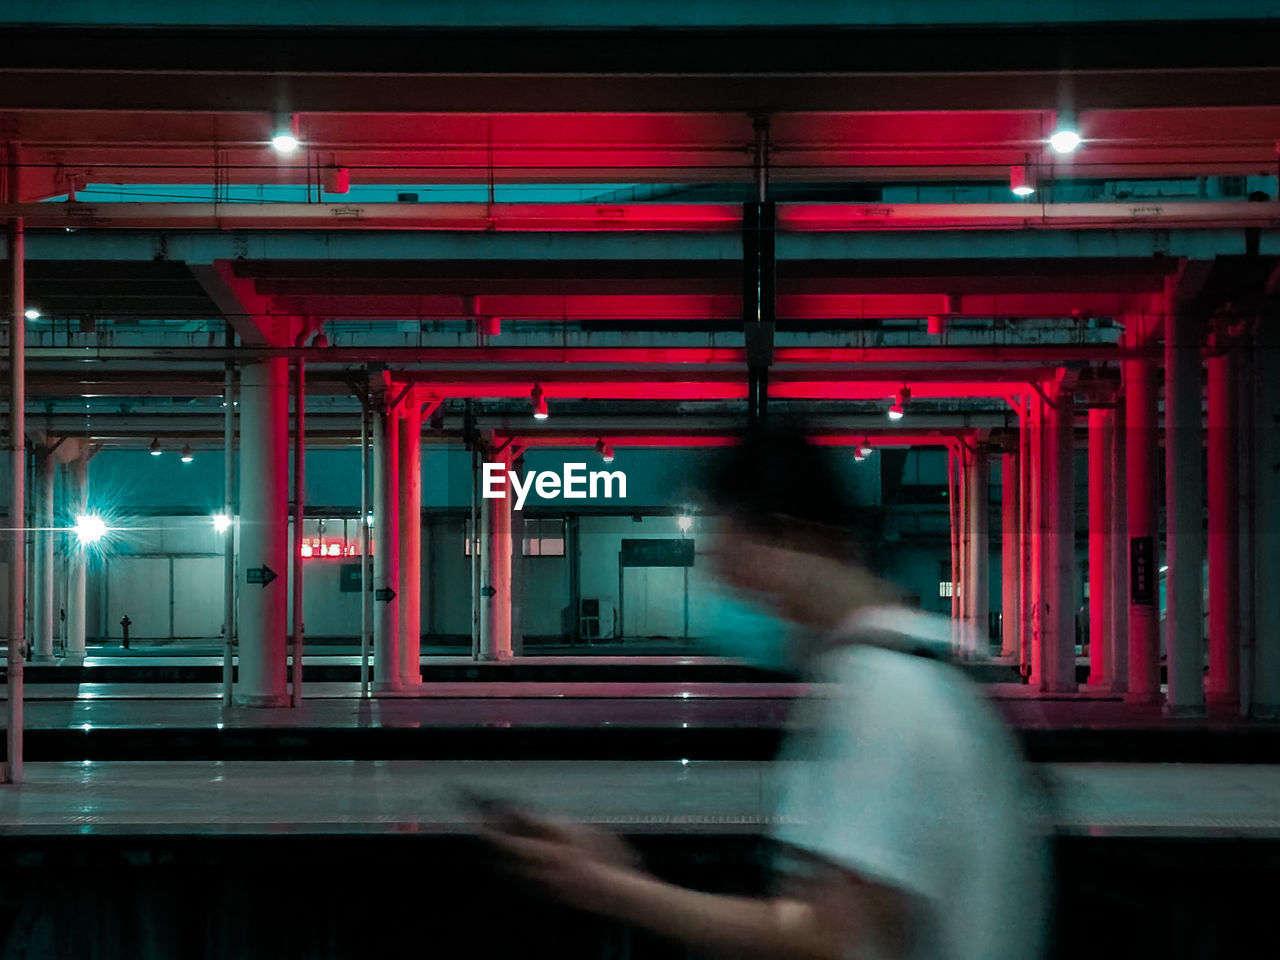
1184,513
264,533
1101,576
1224,527
1010,567
1142,436
1058,663
1036,495
386,547
1118,620
1024,538
410,464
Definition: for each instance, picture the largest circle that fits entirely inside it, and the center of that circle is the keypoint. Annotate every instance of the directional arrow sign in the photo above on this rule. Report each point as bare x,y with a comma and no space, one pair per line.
262,575
386,593
488,592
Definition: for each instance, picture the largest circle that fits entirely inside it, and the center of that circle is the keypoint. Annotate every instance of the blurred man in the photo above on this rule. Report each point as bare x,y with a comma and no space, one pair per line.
907,823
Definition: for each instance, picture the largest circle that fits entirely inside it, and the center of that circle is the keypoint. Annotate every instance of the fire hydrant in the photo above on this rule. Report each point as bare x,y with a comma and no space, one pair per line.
124,630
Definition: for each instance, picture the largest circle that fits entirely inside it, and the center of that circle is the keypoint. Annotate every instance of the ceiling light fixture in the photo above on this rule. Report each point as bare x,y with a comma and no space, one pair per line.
187,456
155,447
32,313
605,450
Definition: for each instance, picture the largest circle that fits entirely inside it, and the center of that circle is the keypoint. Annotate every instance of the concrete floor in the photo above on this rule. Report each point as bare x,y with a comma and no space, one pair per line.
379,797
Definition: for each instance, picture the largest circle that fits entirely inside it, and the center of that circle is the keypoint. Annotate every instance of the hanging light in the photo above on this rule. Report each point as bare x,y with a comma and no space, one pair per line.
605,450
221,522
1022,181
897,409
187,456
32,313
539,401
284,135
155,447
864,450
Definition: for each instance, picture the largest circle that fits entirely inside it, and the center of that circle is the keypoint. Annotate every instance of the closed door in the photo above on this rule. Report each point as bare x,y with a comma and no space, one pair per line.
653,601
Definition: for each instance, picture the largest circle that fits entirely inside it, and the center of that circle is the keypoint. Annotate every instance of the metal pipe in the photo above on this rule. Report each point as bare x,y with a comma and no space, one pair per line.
229,546
299,497
17,488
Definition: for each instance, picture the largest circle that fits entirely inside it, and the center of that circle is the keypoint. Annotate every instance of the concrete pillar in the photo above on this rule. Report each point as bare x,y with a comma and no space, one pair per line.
410,599
1058,658
264,534
1142,438
1010,565
77,559
1118,621
44,622
1223,687
1265,700
495,576
977,489
1184,514
386,550
1101,574
1024,540
1036,518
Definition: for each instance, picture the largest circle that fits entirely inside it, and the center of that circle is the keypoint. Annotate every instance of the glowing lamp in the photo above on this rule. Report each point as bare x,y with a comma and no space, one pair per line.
155,447
90,528
187,455
32,313
605,450
685,523
221,522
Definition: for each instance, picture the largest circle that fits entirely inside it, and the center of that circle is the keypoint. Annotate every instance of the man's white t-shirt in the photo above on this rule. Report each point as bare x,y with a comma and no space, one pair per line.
910,779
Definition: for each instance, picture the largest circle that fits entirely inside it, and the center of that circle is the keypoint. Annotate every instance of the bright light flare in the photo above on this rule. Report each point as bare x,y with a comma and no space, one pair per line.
32,313
90,528
284,142
685,523
221,522
1064,140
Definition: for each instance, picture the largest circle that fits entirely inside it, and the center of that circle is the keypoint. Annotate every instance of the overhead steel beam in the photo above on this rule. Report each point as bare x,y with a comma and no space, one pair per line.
579,217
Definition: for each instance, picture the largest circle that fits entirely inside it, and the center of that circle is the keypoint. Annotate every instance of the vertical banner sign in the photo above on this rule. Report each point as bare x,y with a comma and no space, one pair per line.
1142,566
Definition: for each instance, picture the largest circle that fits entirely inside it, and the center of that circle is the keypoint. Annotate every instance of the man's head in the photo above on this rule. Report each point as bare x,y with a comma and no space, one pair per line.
794,538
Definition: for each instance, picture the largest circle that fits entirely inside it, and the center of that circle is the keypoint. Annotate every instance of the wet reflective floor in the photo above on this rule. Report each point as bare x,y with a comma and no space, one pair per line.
382,797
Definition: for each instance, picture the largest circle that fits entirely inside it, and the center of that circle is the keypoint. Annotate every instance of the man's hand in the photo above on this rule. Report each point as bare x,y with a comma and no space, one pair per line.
573,861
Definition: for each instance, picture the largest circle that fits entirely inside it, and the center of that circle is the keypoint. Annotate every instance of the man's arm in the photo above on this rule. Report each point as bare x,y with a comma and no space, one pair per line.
833,916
